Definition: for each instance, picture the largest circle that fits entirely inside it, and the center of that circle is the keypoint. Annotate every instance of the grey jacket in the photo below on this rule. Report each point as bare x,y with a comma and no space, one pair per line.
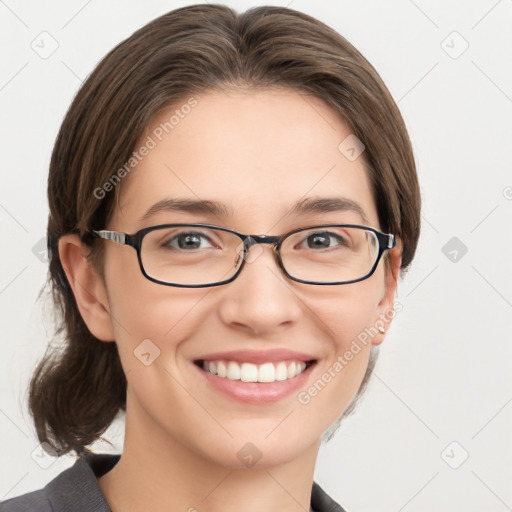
76,489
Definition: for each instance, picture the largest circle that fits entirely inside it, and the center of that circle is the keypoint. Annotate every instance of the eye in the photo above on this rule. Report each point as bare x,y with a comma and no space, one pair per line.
190,240
324,240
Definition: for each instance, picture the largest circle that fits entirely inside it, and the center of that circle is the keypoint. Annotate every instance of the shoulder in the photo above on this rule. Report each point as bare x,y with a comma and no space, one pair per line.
76,488
35,500
322,502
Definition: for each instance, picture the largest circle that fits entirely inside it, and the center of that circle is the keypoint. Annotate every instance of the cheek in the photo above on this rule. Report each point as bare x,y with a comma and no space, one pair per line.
163,315
348,312
150,323
347,318
142,310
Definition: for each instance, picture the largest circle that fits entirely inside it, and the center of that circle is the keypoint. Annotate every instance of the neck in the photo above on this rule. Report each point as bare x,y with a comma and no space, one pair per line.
159,473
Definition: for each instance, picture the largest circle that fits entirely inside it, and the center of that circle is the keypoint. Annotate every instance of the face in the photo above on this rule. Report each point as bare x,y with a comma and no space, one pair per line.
257,153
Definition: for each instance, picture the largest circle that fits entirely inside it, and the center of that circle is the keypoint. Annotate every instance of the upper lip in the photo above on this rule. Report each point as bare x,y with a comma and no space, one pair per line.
258,356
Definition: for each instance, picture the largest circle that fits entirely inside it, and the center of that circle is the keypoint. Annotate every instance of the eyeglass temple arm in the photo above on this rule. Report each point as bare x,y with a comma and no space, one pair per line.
391,241
114,236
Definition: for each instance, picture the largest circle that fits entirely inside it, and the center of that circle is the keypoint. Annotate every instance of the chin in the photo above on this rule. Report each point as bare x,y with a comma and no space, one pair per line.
260,452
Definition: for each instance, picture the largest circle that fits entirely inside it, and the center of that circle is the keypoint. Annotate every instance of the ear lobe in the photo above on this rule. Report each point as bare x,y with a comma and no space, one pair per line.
88,287
386,307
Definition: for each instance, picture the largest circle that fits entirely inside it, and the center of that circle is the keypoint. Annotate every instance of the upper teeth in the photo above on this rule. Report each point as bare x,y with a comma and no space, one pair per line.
249,372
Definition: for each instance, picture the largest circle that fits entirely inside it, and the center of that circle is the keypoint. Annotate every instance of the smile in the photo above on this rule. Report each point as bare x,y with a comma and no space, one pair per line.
249,372
256,384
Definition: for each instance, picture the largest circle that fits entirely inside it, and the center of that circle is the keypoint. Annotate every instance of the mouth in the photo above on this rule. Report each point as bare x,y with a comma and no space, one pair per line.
255,384
276,371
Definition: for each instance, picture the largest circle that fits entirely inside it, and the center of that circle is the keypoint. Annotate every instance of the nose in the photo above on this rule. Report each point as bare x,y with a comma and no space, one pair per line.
261,299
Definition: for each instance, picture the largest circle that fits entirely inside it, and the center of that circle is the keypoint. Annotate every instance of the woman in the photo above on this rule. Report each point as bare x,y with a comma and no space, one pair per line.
263,177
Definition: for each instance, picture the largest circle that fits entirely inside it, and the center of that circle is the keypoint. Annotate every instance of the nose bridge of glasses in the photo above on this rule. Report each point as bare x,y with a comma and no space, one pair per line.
258,241
261,239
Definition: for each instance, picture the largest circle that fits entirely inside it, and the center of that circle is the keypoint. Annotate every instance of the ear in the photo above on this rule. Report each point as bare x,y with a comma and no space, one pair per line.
386,307
88,287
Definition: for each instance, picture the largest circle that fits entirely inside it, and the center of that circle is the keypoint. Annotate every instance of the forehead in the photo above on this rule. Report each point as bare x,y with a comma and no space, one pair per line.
258,153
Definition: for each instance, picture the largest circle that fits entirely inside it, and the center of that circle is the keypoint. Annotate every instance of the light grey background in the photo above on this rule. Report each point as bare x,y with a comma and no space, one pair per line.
442,388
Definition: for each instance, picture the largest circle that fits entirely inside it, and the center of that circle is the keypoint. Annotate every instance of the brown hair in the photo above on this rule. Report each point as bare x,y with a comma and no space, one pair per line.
76,392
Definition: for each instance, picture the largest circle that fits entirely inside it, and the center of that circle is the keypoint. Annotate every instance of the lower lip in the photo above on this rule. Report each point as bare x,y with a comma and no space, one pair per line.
256,392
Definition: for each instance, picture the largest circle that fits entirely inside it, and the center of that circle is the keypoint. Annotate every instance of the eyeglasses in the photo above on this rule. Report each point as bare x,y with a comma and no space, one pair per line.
201,255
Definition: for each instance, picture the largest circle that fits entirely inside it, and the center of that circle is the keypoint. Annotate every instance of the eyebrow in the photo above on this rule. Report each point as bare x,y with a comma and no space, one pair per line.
216,208
188,205
327,205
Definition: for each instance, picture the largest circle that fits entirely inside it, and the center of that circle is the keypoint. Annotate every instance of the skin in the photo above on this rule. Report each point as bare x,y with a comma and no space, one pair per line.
258,153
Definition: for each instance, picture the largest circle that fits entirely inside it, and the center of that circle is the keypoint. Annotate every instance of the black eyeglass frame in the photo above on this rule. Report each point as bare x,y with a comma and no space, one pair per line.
386,242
